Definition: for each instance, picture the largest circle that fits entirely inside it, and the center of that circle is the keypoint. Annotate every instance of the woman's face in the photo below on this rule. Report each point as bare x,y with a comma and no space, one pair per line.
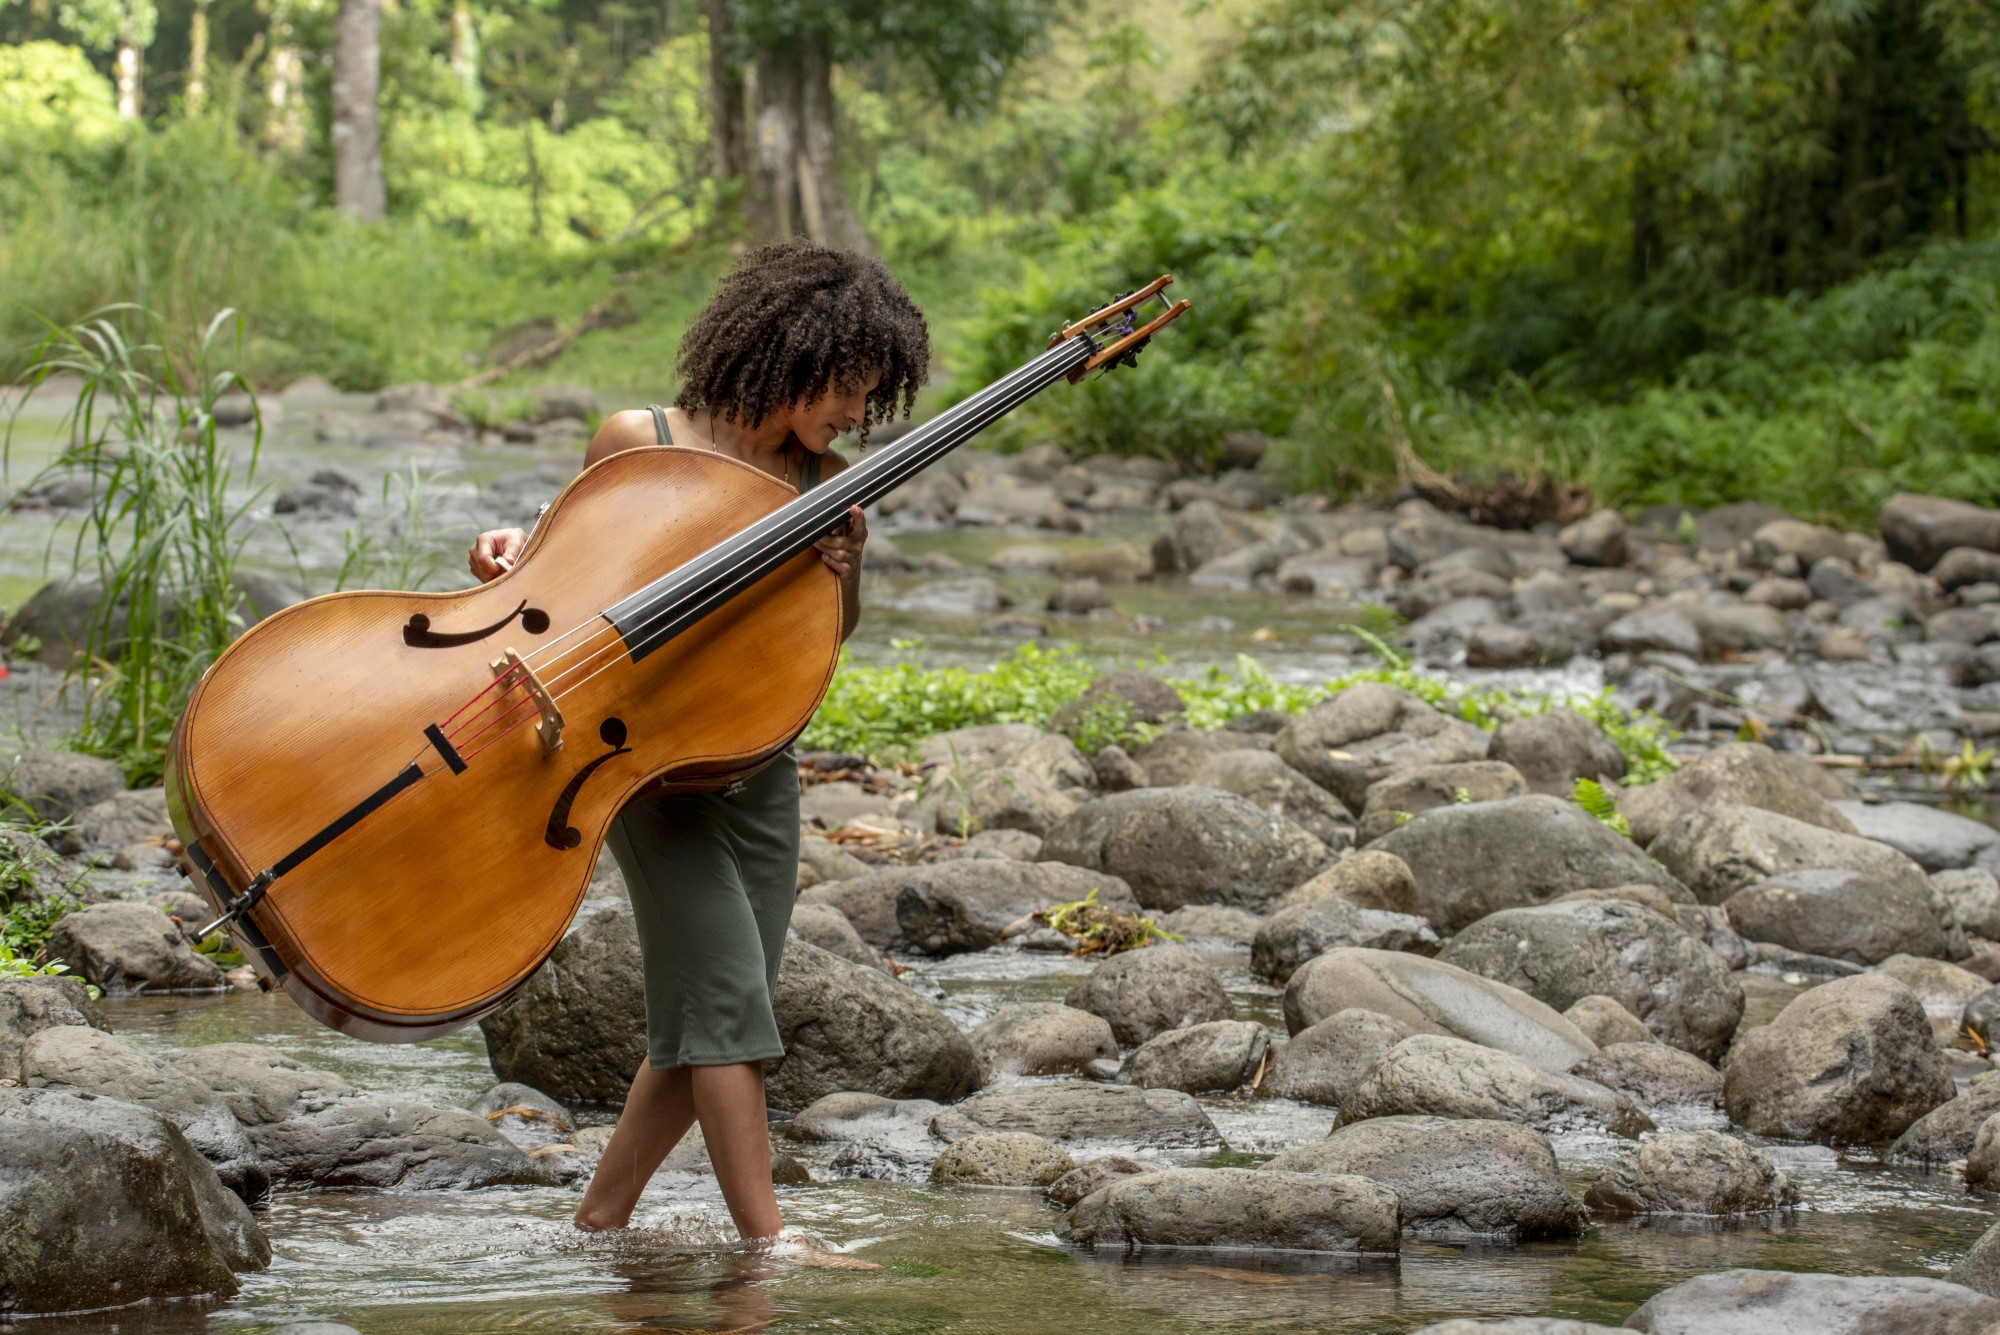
818,421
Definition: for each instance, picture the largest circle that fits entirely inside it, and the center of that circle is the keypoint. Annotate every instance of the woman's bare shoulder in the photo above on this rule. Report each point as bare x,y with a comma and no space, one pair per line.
831,462
631,429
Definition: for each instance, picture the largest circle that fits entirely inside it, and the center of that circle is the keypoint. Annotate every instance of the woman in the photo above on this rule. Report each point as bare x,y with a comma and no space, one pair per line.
800,344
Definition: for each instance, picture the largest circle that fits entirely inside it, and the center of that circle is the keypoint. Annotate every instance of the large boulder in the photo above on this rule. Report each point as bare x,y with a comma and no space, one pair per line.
1202,532
136,816
945,908
1718,850
1654,1076
1040,1038
56,785
1453,1177
1434,998
1367,878
30,1005
1293,936
1266,781
81,1060
577,1029
1552,751
370,1142
1739,773
1146,992
1842,915
1323,1062
1237,1207
1849,1062
104,1203
1391,801
1177,846
1429,1075
1561,953
1001,1159
1934,839
124,948
260,1084
1691,1172
1470,861
828,928
1077,1113
1947,1132
1919,530
846,1027
1761,1302
1979,1268
1349,740
1214,1058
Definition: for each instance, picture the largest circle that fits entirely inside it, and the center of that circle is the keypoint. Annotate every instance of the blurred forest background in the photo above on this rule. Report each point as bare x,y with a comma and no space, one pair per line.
1679,250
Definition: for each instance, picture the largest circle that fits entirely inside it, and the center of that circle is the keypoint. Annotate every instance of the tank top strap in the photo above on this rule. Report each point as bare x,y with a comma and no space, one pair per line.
809,471
660,423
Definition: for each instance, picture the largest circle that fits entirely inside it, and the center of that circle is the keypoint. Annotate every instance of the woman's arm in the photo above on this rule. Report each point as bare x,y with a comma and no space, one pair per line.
495,551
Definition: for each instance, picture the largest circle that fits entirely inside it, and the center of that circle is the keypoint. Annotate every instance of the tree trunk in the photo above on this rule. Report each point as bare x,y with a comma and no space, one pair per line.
534,176
465,54
796,186
197,78
126,66
725,93
357,134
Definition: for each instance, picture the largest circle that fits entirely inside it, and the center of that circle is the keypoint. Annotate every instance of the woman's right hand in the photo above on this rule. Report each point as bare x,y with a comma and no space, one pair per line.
494,552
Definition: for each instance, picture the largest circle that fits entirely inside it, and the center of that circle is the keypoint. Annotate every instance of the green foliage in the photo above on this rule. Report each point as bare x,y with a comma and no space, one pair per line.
51,96
1216,696
881,710
25,931
1104,720
1590,795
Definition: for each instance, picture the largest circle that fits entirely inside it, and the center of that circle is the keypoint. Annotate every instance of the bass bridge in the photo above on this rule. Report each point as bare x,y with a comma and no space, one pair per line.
514,673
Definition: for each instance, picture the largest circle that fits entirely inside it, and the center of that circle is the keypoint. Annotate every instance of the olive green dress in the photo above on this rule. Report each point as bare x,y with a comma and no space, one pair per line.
712,879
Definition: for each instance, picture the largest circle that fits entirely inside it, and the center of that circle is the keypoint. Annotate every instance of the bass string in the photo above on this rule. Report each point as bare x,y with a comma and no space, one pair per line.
940,436
530,711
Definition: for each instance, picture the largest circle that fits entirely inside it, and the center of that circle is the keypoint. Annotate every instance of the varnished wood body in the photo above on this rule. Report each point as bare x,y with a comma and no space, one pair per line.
433,909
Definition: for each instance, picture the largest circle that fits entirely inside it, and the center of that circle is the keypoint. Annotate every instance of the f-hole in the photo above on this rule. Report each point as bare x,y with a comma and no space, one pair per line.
417,632
561,835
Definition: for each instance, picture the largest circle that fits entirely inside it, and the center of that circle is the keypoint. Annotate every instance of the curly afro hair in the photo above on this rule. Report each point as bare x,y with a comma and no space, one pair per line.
796,320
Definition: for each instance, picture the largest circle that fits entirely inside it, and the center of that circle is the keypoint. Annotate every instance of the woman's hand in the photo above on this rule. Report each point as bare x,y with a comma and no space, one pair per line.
841,549
494,552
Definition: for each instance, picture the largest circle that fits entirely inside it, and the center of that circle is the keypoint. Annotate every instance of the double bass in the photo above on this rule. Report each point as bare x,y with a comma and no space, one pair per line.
394,800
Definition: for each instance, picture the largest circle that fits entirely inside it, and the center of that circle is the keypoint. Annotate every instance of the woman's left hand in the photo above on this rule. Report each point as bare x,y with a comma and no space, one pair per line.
841,549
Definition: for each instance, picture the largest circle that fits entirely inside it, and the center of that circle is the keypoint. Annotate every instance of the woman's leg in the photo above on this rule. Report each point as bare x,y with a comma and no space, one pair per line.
729,1100
658,1111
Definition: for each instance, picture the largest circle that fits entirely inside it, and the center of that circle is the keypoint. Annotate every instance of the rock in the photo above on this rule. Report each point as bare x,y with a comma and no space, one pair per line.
126,948
1691,1173
1323,1062
1497,645
1361,735
1842,915
868,902
1076,1113
1078,597
314,502
846,1027
1211,922
577,1029
1516,1325
1919,530
1803,542
1947,1132
1653,1075
1659,628
1964,566
1269,783
1979,1268
1142,696
972,596
1849,1062
1172,759
1981,1016
260,1084
1560,953
82,1060
1295,935
1452,1177
1934,839
1368,879
57,785
1040,1038
1605,1022
378,1142
1552,751
1390,802
513,1106
1739,773
1982,1165
1002,499
1431,1075
104,1203
1760,1302
828,928
1177,846
1720,849
1432,997
1596,541
1237,1207
1094,1176
1469,861
945,908
1200,533
849,1115
1001,1159
690,1155
1214,1058
1944,990
829,860
1146,992
1117,562
1974,896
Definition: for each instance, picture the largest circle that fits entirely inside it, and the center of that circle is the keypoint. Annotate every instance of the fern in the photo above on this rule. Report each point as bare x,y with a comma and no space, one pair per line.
1591,796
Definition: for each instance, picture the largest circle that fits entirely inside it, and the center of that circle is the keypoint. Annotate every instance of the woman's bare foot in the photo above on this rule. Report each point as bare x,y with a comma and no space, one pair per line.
798,1247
